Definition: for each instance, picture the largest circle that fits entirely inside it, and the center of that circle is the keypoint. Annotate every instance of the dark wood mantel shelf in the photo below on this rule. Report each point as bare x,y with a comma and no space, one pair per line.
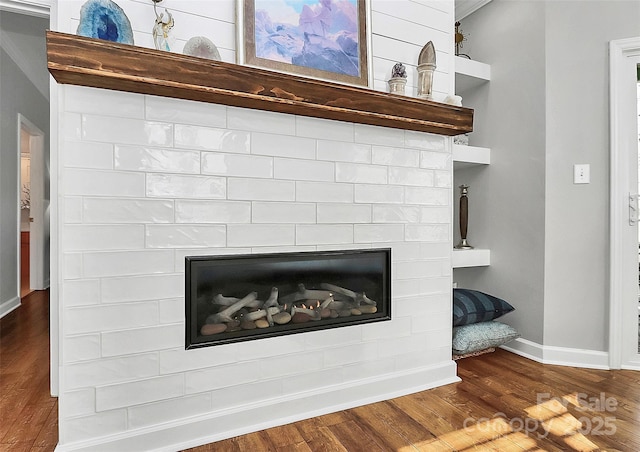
77,60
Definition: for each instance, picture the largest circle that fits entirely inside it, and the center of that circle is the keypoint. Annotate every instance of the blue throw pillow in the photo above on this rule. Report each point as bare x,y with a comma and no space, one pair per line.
472,306
479,336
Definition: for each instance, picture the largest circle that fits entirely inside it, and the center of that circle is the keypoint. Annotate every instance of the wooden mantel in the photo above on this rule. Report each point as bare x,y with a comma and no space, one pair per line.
78,60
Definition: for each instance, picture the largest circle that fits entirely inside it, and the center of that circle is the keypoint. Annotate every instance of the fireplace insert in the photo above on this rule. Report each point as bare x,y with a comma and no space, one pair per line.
235,298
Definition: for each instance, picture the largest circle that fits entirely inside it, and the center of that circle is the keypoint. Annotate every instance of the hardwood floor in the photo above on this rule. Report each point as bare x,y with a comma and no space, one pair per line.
504,403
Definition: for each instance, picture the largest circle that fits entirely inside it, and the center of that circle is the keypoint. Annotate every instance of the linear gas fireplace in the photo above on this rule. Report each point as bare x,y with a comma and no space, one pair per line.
244,297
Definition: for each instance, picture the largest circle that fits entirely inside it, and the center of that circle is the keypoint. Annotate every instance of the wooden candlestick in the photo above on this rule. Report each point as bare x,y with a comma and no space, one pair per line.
464,219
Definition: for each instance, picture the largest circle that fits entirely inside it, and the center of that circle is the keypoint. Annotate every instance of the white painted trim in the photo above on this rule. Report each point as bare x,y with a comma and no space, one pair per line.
622,280
9,305
559,356
466,7
38,8
195,431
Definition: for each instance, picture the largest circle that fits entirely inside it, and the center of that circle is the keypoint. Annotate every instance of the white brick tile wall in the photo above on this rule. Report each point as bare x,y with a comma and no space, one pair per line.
138,392
379,194
103,183
182,236
185,112
361,174
168,410
73,209
104,102
172,309
181,360
126,342
121,263
237,165
411,176
295,169
81,348
83,154
382,155
427,196
211,138
379,135
114,210
260,235
212,212
82,292
323,192
222,376
343,213
364,233
71,126
261,121
72,265
435,160
280,212
140,288
110,370
181,186
126,130
337,151
324,234
396,214
95,425
77,403
424,141
142,158
261,190
94,237
324,129
427,233
109,317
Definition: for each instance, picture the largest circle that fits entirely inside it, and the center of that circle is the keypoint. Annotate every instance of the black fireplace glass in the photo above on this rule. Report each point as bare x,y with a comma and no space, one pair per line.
231,298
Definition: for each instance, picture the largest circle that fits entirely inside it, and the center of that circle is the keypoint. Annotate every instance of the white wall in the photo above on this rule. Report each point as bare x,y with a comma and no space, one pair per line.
556,67
144,181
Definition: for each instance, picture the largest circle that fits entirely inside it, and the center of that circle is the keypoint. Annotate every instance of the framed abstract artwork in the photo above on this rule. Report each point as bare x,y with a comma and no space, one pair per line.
325,39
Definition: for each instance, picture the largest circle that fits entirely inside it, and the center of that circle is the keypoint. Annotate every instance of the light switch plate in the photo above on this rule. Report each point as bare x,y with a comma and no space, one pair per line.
581,173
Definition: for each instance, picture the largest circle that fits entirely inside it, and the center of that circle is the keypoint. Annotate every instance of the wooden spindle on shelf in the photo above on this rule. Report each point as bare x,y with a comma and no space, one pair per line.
464,219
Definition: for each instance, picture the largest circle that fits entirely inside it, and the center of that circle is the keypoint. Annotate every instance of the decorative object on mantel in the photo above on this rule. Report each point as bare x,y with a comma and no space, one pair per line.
459,39
398,79
201,47
453,99
464,219
81,61
162,37
104,19
426,68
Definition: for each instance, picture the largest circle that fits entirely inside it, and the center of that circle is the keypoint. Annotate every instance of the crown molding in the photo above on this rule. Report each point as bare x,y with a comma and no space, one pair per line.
38,8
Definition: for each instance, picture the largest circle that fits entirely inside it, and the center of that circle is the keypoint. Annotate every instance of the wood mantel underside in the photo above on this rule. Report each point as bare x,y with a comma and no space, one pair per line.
78,60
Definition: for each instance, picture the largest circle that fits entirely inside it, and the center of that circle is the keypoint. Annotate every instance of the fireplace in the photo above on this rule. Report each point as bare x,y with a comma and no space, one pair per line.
244,297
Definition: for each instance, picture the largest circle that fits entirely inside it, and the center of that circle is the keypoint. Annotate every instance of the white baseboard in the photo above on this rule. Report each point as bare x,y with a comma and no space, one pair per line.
560,356
8,306
195,431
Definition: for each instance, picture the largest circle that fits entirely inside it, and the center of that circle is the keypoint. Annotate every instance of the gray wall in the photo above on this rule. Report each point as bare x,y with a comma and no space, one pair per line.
17,95
547,109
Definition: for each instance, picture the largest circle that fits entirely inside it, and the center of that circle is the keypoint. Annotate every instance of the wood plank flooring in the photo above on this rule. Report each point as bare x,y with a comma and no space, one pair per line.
503,403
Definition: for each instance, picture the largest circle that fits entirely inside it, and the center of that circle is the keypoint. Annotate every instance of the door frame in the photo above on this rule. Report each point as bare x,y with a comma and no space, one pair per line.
624,56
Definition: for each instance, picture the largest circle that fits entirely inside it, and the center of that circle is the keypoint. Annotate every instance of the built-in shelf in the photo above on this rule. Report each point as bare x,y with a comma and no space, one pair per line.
97,63
471,258
468,156
470,74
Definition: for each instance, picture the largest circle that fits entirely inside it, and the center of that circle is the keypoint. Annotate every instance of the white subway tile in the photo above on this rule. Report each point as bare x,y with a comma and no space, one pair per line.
282,249
121,263
185,111
435,215
213,211
281,212
344,213
366,233
260,190
368,369
229,398
283,146
180,186
83,154
72,208
181,360
324,128
237,165
71,126
221,377
139,288
269,347
383,136
340,356
387,330
303,170
324,234
122,395
360,173
324,192
110,370
345,246
410,176
102,183
107,210
126,342
382,155
443,179
435,160
437,319
87,319
81,292
126,131
181,254
97,237
426,141
379,194
169,410
80,348
77,403
171,310
104,102
427,196
289,365
436,250
142,158
209,138
396,214
408,344
419,269
403,251
72,266
170,236
93,426
337,151
315,340
427,232
261,121
260,235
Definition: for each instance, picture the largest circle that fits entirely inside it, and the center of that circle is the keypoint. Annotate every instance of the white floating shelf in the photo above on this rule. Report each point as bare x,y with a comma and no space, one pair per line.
466,156
470,73
471,258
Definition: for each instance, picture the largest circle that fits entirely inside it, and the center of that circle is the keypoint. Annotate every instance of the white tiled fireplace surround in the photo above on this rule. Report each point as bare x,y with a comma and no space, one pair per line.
144,181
